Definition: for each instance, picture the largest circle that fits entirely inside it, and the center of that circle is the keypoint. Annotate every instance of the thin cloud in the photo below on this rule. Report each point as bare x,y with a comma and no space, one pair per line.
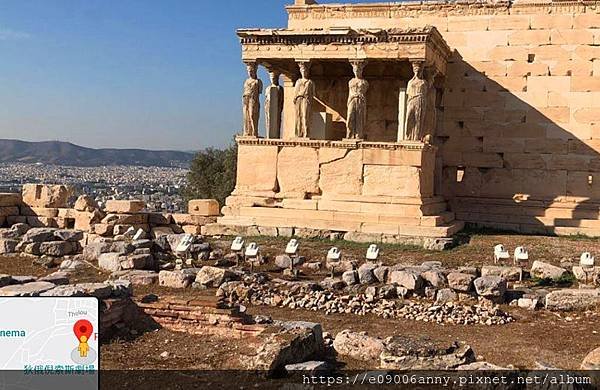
13,35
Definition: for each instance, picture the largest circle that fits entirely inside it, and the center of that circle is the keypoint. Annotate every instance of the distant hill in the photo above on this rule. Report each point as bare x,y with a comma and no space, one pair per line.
66,153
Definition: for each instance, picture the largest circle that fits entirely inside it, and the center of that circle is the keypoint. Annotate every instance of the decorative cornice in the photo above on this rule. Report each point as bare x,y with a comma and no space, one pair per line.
406,145
428,36
344,36
436,8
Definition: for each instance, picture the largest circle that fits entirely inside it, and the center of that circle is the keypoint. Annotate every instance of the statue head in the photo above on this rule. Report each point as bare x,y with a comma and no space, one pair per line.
304,69
251,67
274,76
357,68
418,69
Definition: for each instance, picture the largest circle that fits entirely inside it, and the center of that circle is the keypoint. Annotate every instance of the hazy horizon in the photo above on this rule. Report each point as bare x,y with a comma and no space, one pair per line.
130,74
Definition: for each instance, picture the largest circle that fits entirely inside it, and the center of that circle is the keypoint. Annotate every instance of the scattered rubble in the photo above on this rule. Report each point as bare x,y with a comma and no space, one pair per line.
310,296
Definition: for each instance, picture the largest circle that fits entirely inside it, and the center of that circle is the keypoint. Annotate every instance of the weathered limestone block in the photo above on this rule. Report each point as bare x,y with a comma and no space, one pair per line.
56,248
512,274
98,290
381,180
103,229
288,346
65,291
366,273
589,275
445,295
257,168
204,207
138,261
39,235
190,219
435,278
460,281
592,360
124,206
68,235
358,346
177,279
125,219
84,219
408,279
298,171
32,289
572,299
110,261
51,196
403,353
192,229
342,173
136,277
542,270
214,276
490,286
86,203
8,199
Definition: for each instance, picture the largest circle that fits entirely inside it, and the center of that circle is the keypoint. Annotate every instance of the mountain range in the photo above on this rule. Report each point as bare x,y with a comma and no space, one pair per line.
66,153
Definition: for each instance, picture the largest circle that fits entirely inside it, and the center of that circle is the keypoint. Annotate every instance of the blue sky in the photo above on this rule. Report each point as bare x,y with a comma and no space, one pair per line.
161,74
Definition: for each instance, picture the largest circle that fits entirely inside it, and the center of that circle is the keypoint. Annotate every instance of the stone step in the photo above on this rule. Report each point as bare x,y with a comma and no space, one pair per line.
341,218
405,210
444,230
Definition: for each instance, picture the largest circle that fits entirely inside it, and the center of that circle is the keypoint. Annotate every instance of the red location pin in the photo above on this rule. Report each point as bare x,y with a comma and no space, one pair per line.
83,328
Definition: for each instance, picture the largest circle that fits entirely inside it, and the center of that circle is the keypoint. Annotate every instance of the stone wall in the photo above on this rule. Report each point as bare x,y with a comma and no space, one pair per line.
519,132
205,316
55,206
302,170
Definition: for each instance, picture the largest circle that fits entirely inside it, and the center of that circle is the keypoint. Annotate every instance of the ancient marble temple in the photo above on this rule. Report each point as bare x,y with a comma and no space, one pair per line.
409,119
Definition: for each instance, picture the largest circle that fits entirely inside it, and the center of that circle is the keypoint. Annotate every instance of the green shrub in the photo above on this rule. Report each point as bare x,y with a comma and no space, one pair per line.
564,281
212,174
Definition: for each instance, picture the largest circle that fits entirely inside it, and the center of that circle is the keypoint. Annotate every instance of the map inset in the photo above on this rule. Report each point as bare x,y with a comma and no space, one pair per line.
50,335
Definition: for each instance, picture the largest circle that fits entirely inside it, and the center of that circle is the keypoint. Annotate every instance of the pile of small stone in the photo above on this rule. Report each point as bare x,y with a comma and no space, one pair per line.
309,296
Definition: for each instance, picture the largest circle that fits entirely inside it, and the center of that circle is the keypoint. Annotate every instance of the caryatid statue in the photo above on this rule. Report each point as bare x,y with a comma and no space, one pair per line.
251,101
357,102
273,106
304,93
417,90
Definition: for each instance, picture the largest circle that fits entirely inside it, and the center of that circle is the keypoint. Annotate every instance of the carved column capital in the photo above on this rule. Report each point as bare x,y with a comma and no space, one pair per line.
358,65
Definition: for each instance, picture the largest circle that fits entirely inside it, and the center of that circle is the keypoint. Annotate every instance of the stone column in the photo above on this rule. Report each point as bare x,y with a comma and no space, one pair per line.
357,103
304,94
273,106
431,111
288,122
416,103
251,101
402,113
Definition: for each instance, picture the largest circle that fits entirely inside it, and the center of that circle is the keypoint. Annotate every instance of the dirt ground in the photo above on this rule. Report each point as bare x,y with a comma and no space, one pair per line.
560,340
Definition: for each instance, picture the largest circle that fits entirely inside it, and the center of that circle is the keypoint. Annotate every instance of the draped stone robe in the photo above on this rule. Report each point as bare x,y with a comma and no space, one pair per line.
357,108
416,108
304,93
251,106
